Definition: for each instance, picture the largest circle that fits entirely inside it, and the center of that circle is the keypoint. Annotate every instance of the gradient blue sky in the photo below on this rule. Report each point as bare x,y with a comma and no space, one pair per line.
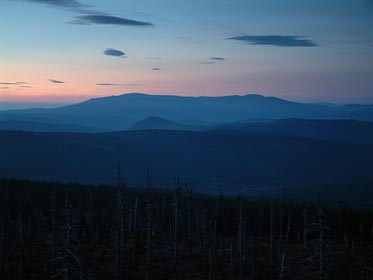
48,52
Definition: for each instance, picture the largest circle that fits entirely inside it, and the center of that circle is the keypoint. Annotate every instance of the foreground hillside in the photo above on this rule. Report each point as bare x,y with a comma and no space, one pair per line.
331,130
55,231
230,161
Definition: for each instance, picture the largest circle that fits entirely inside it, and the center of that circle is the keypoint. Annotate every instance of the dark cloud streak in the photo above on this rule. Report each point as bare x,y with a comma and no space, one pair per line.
56,81
59,3
109,20
117,85
217,58
13,83
275,40
114,52
90,16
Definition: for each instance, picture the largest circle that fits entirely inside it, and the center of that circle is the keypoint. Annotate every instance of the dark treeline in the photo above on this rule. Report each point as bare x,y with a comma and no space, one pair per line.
70,231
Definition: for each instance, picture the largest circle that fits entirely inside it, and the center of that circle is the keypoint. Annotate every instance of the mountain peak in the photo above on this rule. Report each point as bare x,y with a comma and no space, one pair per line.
155,122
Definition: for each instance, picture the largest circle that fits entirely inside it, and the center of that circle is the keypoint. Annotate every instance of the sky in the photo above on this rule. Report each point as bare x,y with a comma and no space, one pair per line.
71,50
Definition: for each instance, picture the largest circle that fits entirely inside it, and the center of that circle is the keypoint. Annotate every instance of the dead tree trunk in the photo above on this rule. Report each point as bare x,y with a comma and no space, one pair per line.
90,218
120,231
176,231
271,236
211,265
322,264
189,226
283,269
252,274
53,228
319,263
149,241
261,215
241,242
1,249
231,258
305,241
21,247
135,235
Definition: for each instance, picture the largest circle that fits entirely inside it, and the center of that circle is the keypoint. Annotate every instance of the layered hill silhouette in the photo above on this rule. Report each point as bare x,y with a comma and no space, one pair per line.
232,143
159,124
121,112
333,130
43,127
209,160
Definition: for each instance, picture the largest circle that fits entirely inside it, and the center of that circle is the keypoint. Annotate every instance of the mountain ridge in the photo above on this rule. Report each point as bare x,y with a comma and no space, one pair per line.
154,122
120,112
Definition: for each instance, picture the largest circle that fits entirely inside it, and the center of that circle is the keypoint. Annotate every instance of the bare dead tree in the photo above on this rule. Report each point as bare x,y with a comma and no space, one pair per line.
204,232
305,233
361,233
90,218
120,228
21,241
211,265
2,248
271,236
322,246
252,270
149,234
176,232
319,264
129,220
241,240
135,235
198,225
281,214
284,268
29,236
67,262
163,208
214,233
52,229
189,217
366,272
261,215
231,259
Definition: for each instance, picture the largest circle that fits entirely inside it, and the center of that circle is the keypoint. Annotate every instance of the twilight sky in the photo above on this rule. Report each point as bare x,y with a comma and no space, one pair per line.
71,50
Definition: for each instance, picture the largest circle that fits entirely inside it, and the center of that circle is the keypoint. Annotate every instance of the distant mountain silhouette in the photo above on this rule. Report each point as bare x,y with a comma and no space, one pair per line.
158,123
120,112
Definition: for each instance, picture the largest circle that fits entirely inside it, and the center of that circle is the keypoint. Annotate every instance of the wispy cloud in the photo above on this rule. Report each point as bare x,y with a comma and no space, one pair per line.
114,52
217,58
89,15
116,85
109,20
13,83
59,3
155,58
156,69
56,81
275,40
